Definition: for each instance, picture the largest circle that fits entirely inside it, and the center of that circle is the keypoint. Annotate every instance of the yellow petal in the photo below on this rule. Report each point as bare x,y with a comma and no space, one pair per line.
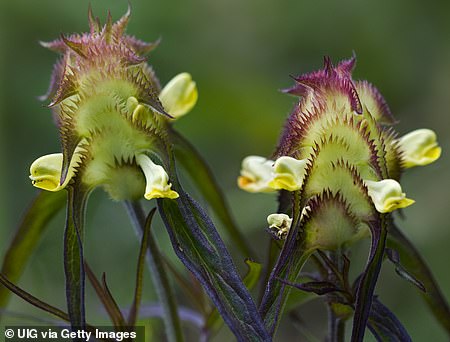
179,95
288,173
387,195
419,147
157,180
256,173
45,172
280,224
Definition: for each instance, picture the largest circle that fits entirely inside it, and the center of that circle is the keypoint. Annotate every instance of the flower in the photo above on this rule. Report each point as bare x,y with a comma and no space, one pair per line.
256,173
288,173
279,224
179,95
387,195
419,147
112,115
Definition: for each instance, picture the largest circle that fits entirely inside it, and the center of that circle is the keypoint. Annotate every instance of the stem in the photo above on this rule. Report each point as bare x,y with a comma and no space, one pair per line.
336,324
336,327
159,275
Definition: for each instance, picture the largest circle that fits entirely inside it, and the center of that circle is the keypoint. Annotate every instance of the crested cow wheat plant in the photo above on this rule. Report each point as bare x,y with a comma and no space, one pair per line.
336,171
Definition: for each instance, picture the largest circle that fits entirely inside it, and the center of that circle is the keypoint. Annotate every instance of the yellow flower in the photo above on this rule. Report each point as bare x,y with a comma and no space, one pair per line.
256,173
179,95
419,147
288,174
280,224
158,185
387,195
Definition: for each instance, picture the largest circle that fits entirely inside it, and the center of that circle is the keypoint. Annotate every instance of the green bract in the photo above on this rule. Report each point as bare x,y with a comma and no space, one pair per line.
339,151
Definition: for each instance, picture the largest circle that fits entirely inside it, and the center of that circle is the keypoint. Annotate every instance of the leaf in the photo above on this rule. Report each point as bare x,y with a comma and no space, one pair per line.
31,299
317,287
40,304
384,325
204,181
413,261
368,280
73,256
140,269
158,273
105,297
288,266
27,236
214,321
200,248
401,271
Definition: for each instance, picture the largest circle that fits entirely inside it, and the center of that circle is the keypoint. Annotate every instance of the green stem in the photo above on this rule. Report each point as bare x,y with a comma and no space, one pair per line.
159,275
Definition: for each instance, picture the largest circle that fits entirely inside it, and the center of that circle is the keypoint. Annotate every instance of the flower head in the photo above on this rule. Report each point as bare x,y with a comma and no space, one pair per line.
112,115
339,151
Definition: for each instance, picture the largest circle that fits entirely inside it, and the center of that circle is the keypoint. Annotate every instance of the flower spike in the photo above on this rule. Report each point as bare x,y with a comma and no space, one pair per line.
419,148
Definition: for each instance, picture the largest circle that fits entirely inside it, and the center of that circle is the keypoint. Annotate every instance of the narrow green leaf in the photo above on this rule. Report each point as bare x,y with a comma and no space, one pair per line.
110,306
27,236
199,246
158,273
204,181
140,270
214,321
73,256
414,263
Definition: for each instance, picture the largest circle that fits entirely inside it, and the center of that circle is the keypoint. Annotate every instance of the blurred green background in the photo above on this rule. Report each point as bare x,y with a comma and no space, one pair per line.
240,52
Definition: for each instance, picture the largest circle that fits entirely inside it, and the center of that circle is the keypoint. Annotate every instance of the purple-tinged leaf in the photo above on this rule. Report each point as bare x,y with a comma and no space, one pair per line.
368,280
384,325
317,287
200,248
394,257
73,256
413,261
202,177
214,321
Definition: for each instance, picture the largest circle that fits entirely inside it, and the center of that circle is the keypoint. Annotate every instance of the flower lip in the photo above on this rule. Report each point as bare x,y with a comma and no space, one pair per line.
387,195
45,172
158,185
419,148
